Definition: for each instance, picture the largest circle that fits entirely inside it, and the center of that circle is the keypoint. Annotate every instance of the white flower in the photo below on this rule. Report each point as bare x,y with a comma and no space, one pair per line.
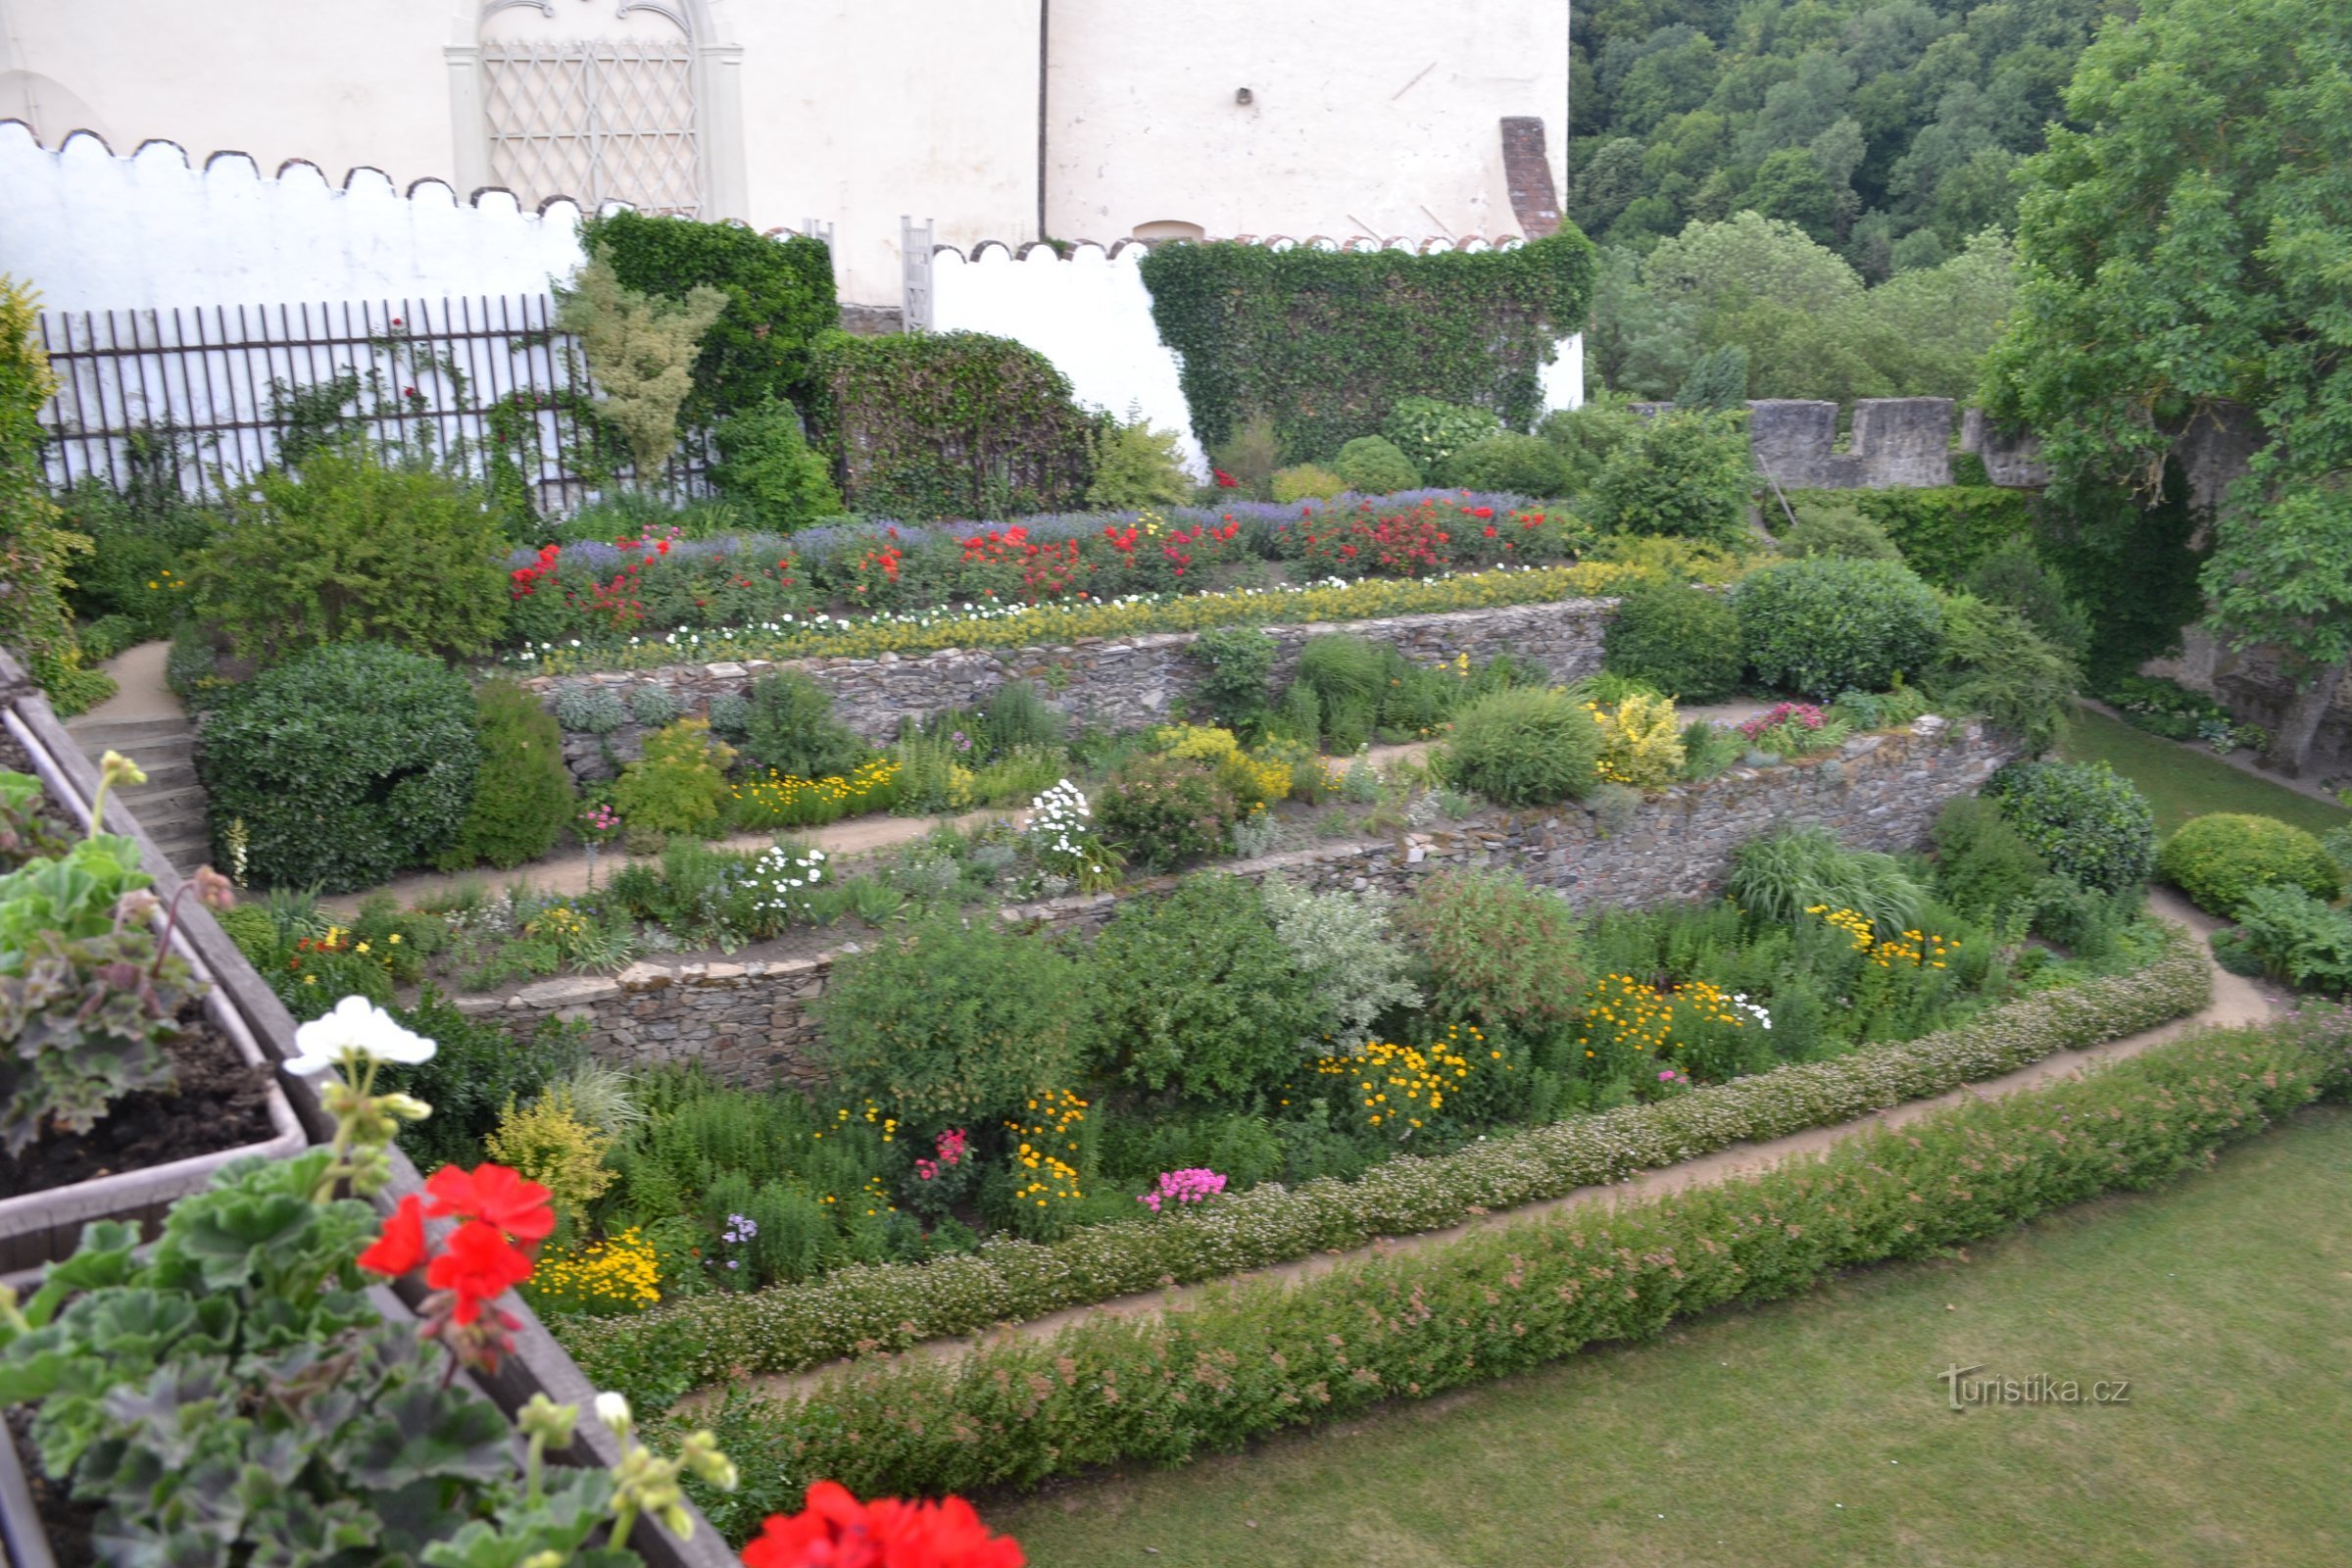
612,1409
356,1028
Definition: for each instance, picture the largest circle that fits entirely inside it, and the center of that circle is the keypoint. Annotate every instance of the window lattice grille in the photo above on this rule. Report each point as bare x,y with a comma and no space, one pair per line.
598,121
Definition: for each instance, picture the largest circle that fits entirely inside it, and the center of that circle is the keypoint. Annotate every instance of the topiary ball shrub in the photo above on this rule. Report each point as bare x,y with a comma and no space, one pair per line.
524,796
1375,465
1161,812
1680,639
1830,625
1525,746
348,764
1509,463
2093,824
2216,860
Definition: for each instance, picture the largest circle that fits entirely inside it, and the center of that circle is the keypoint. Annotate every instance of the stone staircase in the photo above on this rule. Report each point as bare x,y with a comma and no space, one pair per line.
171,803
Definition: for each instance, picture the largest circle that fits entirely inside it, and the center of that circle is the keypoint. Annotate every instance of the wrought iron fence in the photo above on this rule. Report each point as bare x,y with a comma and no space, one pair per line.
484,384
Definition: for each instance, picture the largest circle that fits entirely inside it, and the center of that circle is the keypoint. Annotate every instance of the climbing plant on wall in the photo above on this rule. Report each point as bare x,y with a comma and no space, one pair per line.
779,299
951,424
1323,343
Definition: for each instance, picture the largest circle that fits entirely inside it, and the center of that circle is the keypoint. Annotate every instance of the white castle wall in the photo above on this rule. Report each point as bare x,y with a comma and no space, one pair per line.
94,231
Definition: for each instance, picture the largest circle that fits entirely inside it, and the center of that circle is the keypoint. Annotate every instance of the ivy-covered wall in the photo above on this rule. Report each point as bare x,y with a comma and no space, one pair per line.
1323,343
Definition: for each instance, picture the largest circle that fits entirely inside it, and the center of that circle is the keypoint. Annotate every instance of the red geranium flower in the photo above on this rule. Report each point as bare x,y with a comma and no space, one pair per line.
494,1195
838,1532
401,1248
1226,482
479,1265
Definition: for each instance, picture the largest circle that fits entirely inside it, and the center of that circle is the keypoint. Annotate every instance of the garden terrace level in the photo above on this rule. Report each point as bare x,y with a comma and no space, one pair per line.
749,1023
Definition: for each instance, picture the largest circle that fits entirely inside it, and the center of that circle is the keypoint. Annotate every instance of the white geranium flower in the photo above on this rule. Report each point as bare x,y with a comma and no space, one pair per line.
612,1410
356,1028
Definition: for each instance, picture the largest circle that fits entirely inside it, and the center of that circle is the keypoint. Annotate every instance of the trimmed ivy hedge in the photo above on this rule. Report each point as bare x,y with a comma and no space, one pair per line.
714,1339
1942,532
1255,1359
1323,343
951,424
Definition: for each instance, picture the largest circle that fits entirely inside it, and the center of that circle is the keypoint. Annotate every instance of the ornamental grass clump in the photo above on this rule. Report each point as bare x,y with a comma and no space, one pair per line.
1778,877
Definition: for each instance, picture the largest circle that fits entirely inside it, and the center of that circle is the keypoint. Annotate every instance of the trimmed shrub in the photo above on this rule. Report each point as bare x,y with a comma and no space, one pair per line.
767,467
523,795
1524,746
1682,640
1686,474
1162,812
2218,859
1429,432
1995,664
2093,824
1200,995
1375,465
345,548
951,424
708,1340
790,728
1272,1354
1829,625
1510,465
951,1025
1942,532
347,763
1304,482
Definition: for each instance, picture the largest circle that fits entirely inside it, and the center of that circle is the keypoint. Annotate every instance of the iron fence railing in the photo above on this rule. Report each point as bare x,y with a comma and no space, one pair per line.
221,391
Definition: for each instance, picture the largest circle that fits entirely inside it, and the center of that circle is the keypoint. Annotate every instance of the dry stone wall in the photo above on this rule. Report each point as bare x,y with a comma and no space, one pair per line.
1114,683
749,1023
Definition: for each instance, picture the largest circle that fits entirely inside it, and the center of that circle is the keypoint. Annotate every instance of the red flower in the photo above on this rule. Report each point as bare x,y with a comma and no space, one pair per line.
1481,512
496,1195
401,1248
1489,530
479,1265
1226,482
838,1532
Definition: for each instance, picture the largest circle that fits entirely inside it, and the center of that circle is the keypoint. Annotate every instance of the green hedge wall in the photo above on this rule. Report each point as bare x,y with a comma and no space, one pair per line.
1942,532
1323,343
659,1354
951,424
1255,1358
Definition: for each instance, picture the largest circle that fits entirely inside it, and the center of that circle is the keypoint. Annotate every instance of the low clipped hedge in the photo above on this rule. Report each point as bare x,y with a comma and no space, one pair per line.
662,1353
1256,1358
2216,860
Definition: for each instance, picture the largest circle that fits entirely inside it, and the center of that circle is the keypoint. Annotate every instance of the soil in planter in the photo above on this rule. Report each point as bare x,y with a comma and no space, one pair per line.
15,758
218,1100
66,1524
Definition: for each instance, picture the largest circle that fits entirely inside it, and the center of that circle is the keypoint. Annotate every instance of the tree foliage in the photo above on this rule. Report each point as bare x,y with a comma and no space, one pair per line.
641,349
2183,262
33,549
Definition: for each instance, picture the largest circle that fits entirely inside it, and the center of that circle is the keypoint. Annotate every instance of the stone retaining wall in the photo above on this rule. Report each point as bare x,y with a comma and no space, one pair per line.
749,1024
1114,683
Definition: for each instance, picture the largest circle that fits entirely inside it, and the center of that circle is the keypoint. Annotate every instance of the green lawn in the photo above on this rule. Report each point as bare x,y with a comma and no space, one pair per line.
1816,1432
2183,782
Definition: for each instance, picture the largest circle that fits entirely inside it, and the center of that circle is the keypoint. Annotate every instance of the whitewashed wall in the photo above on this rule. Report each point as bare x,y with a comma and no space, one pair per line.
1091,315
95,232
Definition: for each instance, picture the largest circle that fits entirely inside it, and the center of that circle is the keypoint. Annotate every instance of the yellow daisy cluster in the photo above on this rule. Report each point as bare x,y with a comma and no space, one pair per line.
168,581
1921,950
1620,1010
872,1116
557,921
784,800
620,1273
1640,742
1053,1116
1399,1086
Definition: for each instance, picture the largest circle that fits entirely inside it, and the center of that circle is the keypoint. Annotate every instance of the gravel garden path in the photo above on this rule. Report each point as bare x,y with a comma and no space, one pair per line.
2235,1000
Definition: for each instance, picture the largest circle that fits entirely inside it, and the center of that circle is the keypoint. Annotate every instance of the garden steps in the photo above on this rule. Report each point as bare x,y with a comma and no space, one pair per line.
2236,1000
145,723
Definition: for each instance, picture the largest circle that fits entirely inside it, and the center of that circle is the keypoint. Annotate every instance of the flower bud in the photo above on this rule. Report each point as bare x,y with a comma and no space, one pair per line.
545,1419
120,772
612,1410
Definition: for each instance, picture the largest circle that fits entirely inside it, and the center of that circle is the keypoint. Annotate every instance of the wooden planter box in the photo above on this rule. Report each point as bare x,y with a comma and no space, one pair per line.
255,1018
